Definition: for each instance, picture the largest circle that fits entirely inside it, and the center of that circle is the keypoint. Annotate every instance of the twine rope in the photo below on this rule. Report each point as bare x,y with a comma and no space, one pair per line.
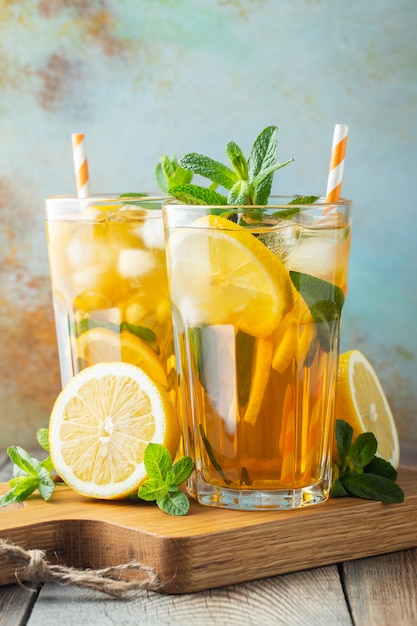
36,569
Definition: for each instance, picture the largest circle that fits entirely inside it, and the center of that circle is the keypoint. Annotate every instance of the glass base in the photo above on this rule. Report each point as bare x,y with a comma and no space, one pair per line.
256,499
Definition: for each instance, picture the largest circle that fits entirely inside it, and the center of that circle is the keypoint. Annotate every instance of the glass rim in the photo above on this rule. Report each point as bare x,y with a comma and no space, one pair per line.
108,198
319,203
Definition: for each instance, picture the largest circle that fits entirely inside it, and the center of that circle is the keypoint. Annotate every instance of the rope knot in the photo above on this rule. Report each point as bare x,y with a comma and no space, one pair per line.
36,569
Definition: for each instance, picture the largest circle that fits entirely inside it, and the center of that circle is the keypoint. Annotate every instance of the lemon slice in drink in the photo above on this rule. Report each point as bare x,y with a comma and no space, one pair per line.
102,422
360,401
101,344
222,274
260,376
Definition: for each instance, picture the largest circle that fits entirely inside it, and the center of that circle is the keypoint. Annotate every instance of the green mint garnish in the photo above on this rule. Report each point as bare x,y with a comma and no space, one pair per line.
358,472
325,301
248,181
164,479
194,194
29,474
213,170
168,173
132,194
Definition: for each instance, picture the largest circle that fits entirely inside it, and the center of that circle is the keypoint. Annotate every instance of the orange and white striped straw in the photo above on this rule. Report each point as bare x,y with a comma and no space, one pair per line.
337,163
80,165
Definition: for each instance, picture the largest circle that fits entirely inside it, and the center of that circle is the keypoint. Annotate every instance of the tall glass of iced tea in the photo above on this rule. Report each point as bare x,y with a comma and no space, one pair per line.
109,284
257,294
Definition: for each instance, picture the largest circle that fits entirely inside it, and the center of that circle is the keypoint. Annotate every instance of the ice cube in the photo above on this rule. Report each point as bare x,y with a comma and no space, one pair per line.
153,233
316,256
135,262
83,250
282,238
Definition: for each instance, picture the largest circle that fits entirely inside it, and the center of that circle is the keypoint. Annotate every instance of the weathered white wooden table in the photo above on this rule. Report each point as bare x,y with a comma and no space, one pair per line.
380,590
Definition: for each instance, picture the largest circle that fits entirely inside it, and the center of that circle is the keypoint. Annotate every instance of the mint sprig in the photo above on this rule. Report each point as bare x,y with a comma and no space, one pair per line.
168,173
359,472
29,474
164,479
248,180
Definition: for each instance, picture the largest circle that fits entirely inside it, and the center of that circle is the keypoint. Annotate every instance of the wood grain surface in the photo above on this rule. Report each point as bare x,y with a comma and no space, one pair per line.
209,547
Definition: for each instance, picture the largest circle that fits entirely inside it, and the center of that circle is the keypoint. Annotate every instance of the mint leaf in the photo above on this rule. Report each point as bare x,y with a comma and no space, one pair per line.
358,472
169,173
238,160
23,487
373,487
381,467
338,490
143,332
325,301
28,475
363,450
239,193
263,152
266,173
182,470
212,456
10,497
209,168
157,461
152,489
194,194
293,210
175,503
344,434
46,485
42,436
23,461
164,478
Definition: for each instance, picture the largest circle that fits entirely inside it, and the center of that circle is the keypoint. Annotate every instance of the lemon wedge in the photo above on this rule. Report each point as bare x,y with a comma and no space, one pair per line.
361,401
101,344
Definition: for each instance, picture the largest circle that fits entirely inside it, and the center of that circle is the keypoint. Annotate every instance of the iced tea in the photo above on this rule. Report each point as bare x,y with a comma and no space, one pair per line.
257,295
109,284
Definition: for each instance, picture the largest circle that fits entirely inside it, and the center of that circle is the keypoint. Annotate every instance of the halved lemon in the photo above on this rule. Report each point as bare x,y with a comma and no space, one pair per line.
361,401
222,274
100,426
99,345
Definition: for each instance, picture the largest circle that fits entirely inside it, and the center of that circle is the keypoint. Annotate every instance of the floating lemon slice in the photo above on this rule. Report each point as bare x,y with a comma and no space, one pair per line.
260,376
101,344
293,337
100,425
360,401
222,274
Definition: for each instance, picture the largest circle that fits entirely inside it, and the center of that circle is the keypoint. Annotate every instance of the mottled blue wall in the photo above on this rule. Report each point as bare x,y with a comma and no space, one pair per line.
145,77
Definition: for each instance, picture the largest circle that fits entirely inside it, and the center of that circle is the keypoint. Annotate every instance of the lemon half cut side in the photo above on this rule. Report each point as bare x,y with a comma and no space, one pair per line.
101,424
222,274
361,401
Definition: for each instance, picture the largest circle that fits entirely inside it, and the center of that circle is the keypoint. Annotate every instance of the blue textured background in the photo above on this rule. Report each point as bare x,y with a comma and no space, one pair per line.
145,77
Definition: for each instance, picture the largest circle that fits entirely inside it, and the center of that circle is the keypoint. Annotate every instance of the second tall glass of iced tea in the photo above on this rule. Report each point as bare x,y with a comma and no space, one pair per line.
257,294
109,284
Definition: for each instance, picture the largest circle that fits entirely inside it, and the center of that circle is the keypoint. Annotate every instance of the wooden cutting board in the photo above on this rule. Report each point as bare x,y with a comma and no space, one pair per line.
208,547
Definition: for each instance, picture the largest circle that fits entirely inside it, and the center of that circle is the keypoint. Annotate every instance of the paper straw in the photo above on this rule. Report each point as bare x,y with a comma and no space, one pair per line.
80,165
337,163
